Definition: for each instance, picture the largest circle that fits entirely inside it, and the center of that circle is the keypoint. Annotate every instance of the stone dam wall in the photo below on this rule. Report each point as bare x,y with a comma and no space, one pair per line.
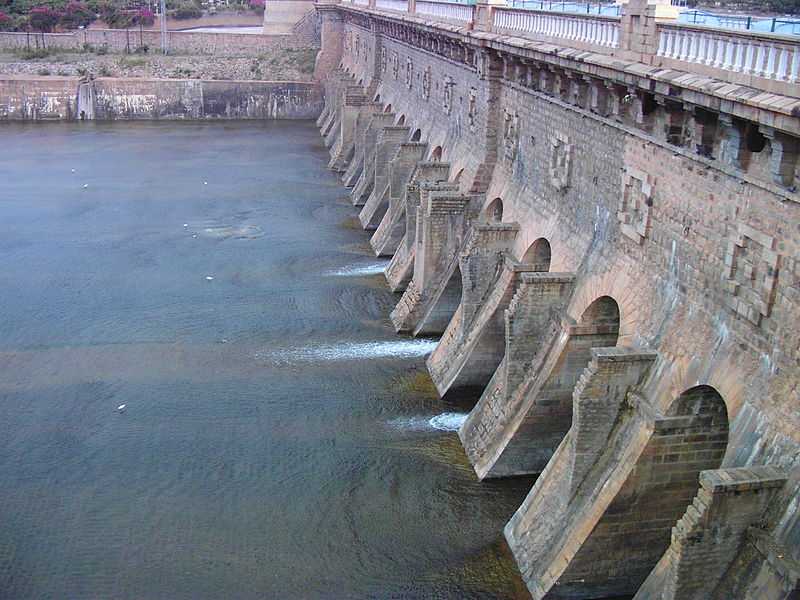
610,251
65,98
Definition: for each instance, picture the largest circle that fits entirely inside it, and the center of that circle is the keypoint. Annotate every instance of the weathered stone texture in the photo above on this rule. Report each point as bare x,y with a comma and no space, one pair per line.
57,98
670,223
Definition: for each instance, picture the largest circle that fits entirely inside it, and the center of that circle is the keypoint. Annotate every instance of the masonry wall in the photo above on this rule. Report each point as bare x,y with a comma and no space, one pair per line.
56,98
179,42
702,258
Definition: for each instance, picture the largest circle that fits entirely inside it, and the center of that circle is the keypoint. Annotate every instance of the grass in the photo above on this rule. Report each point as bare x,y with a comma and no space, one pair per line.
131,61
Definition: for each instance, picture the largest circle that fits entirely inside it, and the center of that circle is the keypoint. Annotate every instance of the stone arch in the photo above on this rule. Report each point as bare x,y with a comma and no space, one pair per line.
416,136
547,417
377,98
360,82
401,121
457,178
634,531
538,254
388,108
436,155
494,212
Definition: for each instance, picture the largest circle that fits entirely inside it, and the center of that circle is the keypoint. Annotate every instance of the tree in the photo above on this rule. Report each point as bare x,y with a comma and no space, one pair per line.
6,22
43,18
76,14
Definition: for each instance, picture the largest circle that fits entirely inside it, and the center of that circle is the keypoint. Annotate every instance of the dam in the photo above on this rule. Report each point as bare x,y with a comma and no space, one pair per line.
516,319
599,216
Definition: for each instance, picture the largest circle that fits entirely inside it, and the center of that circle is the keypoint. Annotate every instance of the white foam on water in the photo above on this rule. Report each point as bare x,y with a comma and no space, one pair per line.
444,422
359,270
448,421
352,351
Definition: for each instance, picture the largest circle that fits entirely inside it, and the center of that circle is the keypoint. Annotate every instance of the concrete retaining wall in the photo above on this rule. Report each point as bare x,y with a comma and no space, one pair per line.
56,98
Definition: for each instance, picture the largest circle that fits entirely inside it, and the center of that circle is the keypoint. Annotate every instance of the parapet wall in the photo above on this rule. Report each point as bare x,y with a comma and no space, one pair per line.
60,98
180,42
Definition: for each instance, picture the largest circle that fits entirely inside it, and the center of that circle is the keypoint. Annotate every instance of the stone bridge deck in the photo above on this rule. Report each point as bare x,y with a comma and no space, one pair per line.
601,217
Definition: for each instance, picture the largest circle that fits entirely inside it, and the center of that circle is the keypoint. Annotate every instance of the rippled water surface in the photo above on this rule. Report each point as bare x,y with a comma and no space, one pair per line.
279,440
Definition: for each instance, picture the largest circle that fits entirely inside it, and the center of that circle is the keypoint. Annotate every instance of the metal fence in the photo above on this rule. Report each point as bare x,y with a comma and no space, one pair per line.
782,25
585,8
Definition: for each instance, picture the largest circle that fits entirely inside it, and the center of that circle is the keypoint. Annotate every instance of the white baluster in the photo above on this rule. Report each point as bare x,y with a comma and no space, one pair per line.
772,61
794,71
708,53
662,43
761,59
747,66
719,60
691,53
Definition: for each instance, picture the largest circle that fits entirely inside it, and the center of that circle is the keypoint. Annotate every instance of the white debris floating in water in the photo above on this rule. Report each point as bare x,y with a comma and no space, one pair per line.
85,185
121,407
209,278
359,270
185,224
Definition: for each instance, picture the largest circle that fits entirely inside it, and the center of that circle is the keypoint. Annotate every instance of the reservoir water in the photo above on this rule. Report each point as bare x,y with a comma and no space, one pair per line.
278,439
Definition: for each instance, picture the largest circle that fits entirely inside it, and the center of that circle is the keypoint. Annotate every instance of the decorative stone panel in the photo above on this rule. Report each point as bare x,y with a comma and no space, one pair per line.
426,84
395,65
472,108
560,161
752,272
447,94
409,73
384,60
510,134
635,203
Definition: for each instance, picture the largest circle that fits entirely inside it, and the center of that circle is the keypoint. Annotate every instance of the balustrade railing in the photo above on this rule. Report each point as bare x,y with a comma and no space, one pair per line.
446,10
760,56
399,5
590,30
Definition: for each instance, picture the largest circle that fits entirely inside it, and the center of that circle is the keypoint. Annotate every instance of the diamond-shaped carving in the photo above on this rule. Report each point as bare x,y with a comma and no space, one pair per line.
447,94
634,204
510,134
472,109
560,161
752,272
426,84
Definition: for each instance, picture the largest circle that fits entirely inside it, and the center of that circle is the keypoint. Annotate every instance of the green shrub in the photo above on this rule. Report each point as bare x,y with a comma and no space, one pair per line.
186,11
32,53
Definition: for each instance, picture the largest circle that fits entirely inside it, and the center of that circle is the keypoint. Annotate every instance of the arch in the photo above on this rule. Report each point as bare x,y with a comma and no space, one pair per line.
601,317
377,98
360,82
634,530
457,178
388,108
494,212
416,136
538,255
401,121
436,155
